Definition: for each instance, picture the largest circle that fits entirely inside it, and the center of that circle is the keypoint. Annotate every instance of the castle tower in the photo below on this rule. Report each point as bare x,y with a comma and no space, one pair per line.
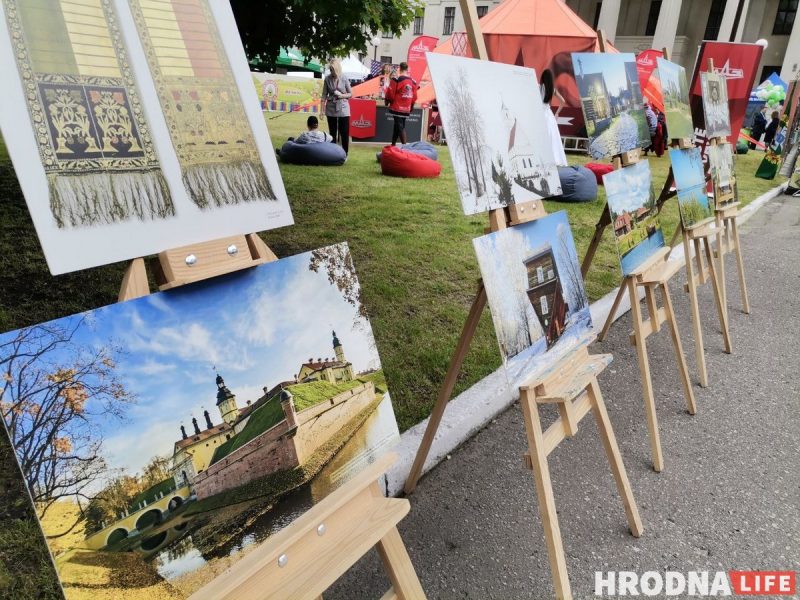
337,348
226,402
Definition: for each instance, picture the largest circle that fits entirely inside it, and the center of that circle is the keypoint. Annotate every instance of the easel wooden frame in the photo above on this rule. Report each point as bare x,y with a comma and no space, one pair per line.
728,233
301,561
572,386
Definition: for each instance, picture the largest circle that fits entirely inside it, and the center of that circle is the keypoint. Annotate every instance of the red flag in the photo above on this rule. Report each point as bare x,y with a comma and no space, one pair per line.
363,114
738,63
651,86
417,62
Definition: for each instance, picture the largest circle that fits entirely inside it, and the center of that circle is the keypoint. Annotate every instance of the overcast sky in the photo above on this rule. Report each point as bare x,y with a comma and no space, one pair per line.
628,188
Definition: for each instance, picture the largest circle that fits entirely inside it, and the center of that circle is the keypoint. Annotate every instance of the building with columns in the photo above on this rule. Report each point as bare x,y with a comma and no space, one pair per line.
680,26
636,25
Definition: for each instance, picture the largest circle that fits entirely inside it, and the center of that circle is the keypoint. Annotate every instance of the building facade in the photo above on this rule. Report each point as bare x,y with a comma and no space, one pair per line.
636,25
680,26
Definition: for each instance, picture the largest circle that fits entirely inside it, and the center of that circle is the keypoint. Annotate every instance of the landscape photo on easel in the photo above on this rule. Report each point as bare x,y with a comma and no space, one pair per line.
127,145
535,291
723,175
632,205
164,438
714,89
675,90
693,202
494,118
611,101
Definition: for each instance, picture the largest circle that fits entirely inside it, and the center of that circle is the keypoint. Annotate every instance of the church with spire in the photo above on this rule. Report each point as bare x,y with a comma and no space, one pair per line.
194,452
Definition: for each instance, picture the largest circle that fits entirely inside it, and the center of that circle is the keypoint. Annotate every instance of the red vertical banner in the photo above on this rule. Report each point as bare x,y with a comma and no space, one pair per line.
738,63
417,62
651,86
363,113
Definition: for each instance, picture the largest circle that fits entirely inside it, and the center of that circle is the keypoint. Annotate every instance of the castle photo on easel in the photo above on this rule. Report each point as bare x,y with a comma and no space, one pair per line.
494,119
164,438
535,291
612,104
632,204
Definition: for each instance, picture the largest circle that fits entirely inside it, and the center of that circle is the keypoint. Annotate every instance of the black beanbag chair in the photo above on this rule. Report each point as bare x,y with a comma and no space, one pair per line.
320,153
578,184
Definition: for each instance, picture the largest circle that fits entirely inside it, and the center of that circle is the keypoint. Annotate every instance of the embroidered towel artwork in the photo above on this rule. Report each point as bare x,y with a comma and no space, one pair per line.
219,160
90,129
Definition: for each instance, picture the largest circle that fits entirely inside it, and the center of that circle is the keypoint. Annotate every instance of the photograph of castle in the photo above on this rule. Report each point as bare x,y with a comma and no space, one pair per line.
723,174
676,99
714,88
632,204
163,438
535,291
693,201
495,132
612,104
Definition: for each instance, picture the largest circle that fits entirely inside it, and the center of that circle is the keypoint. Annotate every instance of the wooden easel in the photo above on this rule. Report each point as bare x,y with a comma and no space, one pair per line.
574,389
727,232
301,561
571,385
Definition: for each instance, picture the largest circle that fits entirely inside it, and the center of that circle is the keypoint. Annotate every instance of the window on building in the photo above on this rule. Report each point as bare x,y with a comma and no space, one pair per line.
419,21
652,17
387,35
386,60
597,8
449,20
482,10
784,18
714,20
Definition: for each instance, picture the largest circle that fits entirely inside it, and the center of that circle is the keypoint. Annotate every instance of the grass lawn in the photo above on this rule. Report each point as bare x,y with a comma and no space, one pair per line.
411,244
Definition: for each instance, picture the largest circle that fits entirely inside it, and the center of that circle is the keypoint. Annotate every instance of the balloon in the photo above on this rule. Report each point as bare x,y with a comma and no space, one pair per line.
762,94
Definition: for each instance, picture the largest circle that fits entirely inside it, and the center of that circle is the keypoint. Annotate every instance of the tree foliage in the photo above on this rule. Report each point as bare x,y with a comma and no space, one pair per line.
318,28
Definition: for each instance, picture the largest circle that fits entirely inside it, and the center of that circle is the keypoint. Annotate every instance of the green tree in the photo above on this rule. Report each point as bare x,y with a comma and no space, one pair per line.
318,28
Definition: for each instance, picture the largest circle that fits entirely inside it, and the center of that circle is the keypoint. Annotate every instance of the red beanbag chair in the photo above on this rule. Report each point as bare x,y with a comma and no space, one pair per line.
399,163
599,170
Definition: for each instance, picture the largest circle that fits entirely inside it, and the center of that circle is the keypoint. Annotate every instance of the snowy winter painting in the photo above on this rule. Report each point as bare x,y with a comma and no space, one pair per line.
612,104
715,105
632,205
694,204
494,119
535,290
676,99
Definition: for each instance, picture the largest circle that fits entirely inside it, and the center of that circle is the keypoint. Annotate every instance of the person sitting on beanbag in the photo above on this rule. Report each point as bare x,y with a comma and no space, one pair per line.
314,134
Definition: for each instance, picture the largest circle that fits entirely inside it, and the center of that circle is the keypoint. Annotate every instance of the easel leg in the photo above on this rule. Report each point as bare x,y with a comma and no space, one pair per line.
721,239
447,389
612,314
398,567
599,228
740,265
647,383
698,331
683,370
544,492
721,308
615,459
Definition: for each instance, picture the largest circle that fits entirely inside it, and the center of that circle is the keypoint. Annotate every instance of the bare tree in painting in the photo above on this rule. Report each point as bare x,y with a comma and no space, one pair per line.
466,131
50,407
338,265
569,271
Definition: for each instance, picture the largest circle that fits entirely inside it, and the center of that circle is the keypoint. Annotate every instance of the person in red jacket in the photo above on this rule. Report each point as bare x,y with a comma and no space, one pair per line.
400,98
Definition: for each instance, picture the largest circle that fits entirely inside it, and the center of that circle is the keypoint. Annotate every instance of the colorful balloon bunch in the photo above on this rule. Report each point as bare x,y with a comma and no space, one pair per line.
772,94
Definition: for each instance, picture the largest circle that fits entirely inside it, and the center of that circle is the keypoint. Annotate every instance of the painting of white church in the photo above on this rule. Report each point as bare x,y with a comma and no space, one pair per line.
494,121
172,433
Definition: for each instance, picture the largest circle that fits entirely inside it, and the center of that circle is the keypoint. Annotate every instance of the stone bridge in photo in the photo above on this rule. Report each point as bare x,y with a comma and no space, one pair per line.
135,521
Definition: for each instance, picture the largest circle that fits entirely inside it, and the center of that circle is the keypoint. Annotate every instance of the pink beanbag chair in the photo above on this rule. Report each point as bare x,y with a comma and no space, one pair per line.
599,170
399,163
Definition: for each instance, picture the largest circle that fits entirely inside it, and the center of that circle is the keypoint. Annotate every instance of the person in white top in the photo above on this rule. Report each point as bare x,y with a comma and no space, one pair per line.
548,90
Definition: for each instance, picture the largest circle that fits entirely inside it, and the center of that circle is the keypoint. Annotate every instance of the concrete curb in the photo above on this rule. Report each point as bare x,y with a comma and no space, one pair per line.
474,408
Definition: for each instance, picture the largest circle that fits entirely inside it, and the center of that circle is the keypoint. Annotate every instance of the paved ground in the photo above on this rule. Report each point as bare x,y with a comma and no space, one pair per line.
729,496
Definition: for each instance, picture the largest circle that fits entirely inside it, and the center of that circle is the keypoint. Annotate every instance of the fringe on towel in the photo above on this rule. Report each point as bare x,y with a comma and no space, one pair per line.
215,185
103,198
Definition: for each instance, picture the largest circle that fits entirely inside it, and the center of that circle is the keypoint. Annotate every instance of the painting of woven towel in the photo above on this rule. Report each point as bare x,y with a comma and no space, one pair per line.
205,114
90,130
